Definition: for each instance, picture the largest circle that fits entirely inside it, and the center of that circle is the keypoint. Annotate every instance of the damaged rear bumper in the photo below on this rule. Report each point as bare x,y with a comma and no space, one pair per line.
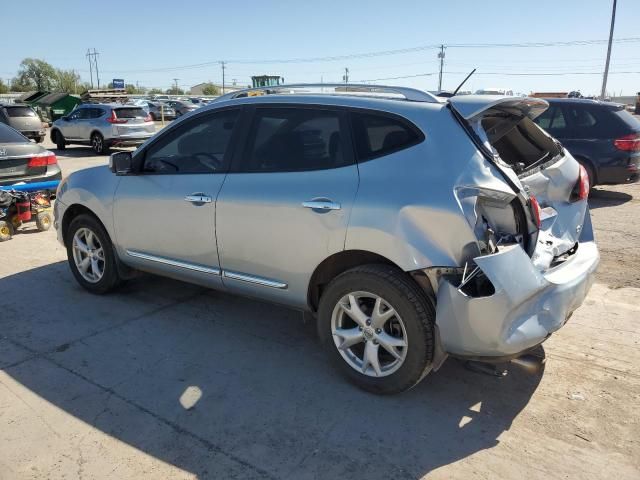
526,307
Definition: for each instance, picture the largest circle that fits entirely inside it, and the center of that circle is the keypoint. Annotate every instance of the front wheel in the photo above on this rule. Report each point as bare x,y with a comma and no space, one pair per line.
90,255
59,140
377,327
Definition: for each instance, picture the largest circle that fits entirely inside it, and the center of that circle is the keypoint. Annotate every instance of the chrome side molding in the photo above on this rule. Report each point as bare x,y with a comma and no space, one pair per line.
266,282
174,263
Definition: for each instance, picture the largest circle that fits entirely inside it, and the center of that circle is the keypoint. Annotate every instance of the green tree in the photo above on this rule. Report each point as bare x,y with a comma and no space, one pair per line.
67,81
37,74
210,89
155,91
18,86
174,91
3,87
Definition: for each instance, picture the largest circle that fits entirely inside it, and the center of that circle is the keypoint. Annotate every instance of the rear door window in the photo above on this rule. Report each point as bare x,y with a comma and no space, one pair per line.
287,139
382,134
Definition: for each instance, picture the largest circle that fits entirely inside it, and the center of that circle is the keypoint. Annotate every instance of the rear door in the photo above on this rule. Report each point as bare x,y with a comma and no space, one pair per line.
285,205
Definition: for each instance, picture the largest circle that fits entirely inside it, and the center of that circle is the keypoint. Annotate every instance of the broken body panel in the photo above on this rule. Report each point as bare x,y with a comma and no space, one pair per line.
531,274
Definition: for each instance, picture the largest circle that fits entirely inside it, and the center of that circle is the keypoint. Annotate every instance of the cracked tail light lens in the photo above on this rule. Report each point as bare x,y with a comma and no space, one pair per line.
581,188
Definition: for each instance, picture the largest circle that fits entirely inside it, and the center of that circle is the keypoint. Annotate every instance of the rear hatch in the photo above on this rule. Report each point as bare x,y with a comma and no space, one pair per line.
23,118
534,164
132,121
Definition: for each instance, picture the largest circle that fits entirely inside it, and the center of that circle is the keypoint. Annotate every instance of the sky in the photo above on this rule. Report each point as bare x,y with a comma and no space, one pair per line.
153,42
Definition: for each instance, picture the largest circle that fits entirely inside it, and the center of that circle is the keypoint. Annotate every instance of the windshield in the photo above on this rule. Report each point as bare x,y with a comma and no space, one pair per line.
20,112
10,135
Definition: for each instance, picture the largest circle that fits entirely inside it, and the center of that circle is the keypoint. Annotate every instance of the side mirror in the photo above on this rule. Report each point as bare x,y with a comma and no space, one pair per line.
121,163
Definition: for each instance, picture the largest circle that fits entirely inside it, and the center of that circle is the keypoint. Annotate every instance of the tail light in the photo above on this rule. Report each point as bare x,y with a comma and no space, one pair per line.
535,210
114,119
148,118
43,161
628,143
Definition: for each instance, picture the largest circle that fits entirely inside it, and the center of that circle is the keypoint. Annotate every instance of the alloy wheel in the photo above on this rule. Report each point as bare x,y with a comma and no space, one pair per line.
369,334
88,255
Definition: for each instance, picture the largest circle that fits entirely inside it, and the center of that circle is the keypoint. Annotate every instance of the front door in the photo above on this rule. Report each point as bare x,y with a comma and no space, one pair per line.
165,215
285,206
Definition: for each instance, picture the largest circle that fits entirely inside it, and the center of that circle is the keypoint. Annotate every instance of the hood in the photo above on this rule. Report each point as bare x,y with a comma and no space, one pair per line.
473,107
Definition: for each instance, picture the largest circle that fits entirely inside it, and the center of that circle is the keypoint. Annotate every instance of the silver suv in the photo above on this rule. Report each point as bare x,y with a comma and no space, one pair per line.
413,229
102,127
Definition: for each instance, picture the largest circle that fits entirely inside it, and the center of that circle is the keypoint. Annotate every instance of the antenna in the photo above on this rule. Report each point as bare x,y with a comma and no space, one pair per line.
463,82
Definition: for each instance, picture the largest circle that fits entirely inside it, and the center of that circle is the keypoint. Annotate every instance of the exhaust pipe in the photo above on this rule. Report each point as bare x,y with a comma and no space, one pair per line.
530,363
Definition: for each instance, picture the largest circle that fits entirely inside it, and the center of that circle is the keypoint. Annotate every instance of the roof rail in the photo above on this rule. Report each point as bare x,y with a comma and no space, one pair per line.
379,91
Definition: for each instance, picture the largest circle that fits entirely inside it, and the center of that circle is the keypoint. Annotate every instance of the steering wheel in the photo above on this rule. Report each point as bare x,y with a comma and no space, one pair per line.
209,160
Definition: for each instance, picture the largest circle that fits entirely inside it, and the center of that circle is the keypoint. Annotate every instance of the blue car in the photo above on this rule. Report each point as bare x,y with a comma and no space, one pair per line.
602,136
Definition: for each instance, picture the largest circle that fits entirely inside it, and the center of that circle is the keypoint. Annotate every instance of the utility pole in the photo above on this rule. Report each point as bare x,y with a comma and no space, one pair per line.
222,64
95,59
93,62
88,55
606,66
441,57
345,77
175,89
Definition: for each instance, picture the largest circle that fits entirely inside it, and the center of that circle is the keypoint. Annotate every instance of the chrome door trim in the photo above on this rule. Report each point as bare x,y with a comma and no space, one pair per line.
174,263
266,282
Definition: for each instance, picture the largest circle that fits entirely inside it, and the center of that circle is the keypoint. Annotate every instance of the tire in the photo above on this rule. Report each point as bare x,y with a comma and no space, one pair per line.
109,278
153,116
6,230
43,221
98,144
58,139
39,139
412,323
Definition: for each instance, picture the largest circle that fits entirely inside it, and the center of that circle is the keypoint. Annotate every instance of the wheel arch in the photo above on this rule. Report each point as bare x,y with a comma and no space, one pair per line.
74,211
345,260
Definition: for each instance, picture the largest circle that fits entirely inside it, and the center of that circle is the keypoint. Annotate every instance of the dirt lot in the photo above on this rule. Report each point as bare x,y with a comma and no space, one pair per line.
167,380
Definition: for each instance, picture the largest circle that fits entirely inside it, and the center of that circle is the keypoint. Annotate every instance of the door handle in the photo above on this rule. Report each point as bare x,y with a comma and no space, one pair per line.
198,198
323,205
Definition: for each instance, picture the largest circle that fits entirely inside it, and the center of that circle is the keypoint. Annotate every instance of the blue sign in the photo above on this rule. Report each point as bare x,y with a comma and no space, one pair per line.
118,83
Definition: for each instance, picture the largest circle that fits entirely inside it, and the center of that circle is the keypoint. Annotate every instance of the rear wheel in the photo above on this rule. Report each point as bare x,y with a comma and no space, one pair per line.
39,139
90,255
98,144
6,230
377,327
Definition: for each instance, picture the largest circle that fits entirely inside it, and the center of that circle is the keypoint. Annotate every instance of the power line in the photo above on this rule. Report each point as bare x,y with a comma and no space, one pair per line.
387,53
508,74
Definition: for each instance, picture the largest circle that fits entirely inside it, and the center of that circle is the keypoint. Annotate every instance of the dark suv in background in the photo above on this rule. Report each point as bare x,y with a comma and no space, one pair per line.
602,136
